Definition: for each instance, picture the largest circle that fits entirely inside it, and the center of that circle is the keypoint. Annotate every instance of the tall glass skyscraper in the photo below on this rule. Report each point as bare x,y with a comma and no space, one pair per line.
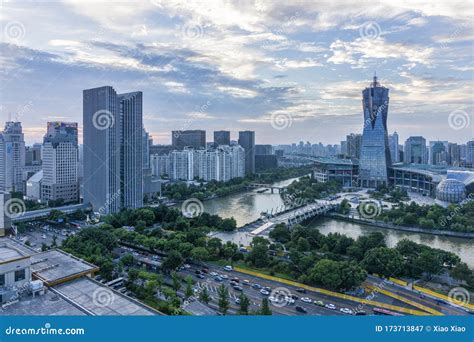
113,149
375,153
247,141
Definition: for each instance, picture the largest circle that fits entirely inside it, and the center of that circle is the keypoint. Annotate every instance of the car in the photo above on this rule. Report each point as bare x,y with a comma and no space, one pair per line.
264,292
197,272
301,290
205,270
43,236
294,297
318,303
300,309
200,276
256,286
266,288
235,279
238,288
217,278
306,300
330,306
228,268
361,313
224,276
213,274
289,300
187,266
246,282
237,301
346,311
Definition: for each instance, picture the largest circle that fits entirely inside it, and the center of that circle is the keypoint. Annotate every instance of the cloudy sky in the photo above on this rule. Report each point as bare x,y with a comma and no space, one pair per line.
290,70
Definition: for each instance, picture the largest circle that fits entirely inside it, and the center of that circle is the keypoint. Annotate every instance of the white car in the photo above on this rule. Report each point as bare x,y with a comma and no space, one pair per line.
306,300
228,268
237,301
289,300
264,292
224,276
187,266
330,306
346,311
213,274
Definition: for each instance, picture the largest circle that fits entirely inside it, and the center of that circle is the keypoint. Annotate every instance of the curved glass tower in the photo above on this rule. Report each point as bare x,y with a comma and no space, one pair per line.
375,152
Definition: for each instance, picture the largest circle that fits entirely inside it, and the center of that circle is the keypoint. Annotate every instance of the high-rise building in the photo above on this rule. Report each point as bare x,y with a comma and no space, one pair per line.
470,151
146,150
454,154
375,153
438,152
5,219
247,141
393,144
102,149
131,165
415,150
190,138
12,157
344,147
33,155
60,163
221,138
263,150
353,145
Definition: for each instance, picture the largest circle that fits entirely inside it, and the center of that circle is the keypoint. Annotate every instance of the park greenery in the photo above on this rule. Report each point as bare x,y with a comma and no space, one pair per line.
309,189
456,217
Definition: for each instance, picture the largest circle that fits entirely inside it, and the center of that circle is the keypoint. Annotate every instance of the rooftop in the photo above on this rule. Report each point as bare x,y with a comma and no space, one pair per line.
101,300
55,266
340,161
11,250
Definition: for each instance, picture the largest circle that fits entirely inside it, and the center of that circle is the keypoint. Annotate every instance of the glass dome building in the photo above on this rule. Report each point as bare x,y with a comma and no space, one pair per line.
451,190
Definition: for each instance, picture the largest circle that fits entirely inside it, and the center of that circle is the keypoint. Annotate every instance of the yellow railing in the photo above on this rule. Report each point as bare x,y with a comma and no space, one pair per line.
332,293
442,296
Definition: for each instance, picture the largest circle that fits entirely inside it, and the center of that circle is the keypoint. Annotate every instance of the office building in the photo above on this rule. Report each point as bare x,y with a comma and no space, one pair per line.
190,138
353,145
131,161
263,150
438,152
146,150
393,144
60,163
12,157
221,138
415,151
454,154
470,152
247,141
375,153
33,155
102,149
5,219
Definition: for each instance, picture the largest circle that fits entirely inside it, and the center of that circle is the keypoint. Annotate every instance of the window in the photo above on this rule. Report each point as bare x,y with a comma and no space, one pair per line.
20,275
2,280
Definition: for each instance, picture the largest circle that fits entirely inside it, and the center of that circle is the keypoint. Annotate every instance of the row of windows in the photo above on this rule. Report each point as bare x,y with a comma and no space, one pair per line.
19,276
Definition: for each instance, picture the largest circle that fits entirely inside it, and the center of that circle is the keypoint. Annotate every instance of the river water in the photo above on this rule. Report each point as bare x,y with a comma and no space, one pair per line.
246,207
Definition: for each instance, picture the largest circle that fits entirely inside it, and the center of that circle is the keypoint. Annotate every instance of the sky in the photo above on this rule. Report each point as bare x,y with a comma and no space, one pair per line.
289,70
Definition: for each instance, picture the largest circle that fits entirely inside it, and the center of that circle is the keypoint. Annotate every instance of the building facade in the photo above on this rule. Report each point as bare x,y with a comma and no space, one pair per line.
353,145
375,152
393,144
221,138
60,163
12,157
189,138
415,150
247,141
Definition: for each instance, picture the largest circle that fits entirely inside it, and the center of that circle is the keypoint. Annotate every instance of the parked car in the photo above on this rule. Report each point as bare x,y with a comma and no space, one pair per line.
238,288
200,276
228,268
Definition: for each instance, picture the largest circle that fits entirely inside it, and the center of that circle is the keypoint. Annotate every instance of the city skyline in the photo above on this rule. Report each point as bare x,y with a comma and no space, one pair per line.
290,73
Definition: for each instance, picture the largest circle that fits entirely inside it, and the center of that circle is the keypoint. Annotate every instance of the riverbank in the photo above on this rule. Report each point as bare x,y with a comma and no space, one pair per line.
384,225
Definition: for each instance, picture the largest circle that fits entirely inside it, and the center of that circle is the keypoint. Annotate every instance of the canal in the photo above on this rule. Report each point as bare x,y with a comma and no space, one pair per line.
246,207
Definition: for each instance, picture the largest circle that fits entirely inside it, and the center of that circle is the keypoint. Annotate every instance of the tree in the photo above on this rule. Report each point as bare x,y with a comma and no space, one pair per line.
204,296
228,224
189,289
280,233
127,259
244,304
172,261
223,294
199,254
265,309
176,281
384,261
